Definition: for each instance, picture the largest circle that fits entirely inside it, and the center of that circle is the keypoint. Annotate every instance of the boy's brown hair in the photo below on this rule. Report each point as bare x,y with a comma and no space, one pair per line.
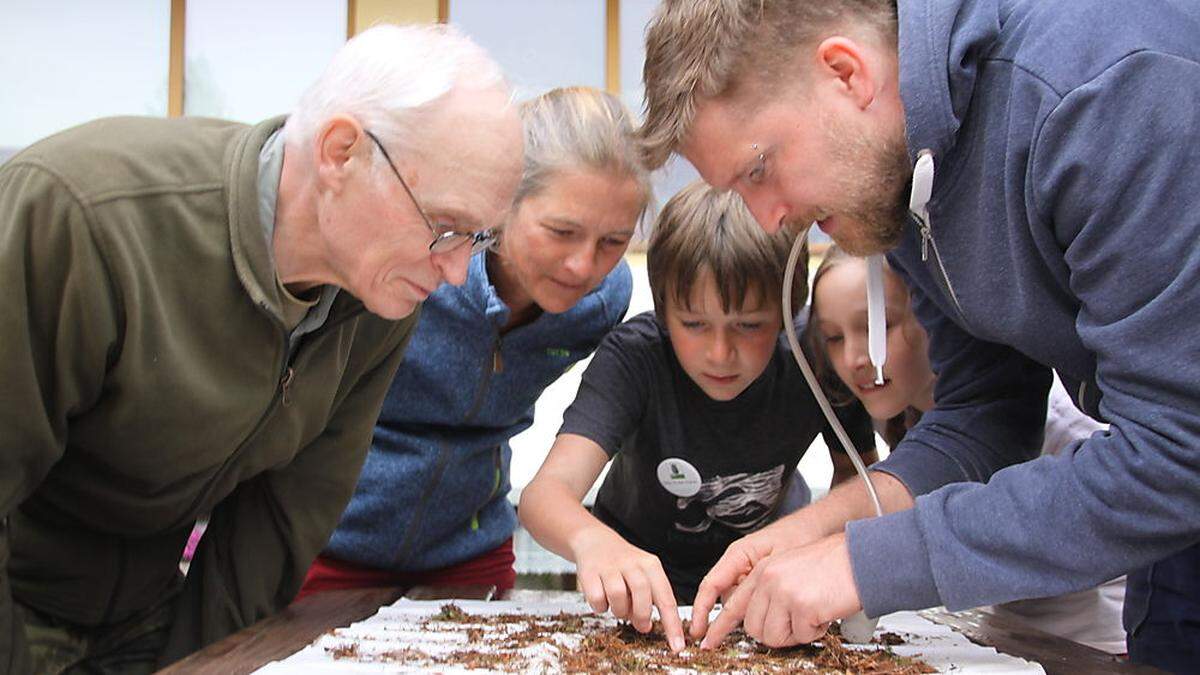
702,229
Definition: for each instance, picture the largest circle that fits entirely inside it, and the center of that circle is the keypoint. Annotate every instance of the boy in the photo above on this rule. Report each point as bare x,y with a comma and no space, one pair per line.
701,409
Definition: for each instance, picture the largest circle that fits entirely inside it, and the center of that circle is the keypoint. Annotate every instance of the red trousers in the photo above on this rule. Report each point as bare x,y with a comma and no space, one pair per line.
494,568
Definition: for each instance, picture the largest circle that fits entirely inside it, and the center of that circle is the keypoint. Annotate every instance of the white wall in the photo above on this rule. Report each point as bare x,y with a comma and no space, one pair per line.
63,62
248,61
541,44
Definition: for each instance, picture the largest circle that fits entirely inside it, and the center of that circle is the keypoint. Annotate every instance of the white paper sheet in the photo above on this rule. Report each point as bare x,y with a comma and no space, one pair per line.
399,626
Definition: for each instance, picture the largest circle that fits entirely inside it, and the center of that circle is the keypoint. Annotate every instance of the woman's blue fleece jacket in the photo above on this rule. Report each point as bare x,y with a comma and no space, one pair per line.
433,491
1065,229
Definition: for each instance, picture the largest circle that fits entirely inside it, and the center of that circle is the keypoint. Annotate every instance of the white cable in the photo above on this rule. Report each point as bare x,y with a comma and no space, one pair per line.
857,628
789,328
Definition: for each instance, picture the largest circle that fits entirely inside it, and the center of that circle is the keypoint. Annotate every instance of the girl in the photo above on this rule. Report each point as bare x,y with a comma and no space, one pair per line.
837,333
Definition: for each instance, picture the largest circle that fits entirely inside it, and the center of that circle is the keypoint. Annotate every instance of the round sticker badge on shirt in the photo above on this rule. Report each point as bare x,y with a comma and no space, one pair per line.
679,477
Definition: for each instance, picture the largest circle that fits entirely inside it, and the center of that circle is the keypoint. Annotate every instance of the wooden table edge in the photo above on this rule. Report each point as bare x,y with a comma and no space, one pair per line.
305,621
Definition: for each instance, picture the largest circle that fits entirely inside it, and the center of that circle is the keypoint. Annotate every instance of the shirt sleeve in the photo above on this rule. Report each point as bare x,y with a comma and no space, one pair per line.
262,539
1124,210
57,326
613,392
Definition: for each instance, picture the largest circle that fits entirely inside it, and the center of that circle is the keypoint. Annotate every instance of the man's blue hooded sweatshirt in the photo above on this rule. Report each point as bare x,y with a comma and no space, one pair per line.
1065,222
434,489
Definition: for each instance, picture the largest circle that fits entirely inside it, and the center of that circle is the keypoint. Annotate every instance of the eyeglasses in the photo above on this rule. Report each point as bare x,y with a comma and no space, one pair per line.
445,239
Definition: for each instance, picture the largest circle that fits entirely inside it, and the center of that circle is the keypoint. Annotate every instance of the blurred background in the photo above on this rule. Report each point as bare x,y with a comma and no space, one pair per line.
64,62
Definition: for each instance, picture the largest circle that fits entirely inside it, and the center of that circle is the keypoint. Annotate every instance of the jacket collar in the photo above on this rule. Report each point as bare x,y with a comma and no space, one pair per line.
252,257
942,45
479,285
481,294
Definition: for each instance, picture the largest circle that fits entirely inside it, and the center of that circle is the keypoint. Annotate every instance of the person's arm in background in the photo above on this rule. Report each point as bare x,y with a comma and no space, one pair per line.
58,319
1126,218
263,537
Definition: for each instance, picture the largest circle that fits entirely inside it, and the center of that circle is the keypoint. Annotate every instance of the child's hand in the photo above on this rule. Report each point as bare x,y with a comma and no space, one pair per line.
615,575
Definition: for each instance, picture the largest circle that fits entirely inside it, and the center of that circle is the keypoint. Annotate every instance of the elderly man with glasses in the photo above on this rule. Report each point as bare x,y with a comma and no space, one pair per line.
202,318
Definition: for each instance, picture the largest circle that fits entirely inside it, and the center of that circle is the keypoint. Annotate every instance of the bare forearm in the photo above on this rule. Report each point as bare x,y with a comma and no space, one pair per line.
557,520
848,501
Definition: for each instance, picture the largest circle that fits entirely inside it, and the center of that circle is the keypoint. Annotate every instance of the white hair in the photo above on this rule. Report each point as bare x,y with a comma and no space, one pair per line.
383,75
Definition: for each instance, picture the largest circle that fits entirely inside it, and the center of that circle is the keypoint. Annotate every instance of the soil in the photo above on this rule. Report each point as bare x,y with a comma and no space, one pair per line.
502,642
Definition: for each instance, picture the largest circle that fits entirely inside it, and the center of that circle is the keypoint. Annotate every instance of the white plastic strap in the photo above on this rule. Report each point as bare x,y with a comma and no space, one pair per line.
876,316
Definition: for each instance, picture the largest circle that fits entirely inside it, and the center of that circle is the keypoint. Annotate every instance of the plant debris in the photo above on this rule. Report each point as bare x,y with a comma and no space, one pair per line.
453,613
584,644
346,650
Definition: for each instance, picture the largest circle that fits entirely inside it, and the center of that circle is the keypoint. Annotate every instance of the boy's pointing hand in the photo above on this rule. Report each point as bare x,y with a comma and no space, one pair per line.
615,575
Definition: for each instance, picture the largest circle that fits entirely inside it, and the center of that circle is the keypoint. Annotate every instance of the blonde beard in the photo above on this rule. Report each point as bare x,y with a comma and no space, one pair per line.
872,174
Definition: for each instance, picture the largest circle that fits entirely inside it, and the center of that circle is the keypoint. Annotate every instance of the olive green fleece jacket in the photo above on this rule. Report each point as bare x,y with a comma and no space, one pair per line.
143,384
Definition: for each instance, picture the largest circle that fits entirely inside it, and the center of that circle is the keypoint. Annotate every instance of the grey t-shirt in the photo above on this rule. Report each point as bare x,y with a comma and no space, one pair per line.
639,405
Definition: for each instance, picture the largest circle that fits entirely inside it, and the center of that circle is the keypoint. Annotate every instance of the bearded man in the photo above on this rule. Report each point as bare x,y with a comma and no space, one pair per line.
1060,234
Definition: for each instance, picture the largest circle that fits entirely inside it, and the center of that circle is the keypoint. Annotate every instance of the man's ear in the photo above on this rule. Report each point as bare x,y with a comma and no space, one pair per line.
339,142
846,65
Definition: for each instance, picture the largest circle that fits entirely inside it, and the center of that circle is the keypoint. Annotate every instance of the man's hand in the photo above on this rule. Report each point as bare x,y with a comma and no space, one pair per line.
615,575
790,596
737,562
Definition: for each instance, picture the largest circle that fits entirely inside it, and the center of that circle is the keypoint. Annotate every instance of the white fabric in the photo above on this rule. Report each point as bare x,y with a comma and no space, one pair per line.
1091,617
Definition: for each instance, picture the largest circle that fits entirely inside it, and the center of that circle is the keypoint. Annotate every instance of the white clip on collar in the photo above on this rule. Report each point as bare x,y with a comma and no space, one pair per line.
918,203
922,185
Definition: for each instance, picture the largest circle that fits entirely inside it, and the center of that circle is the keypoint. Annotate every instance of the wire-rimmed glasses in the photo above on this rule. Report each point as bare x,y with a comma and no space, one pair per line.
445,238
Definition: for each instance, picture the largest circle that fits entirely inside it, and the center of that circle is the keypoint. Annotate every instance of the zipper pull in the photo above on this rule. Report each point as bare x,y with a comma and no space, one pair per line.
918,199
497,360
285,385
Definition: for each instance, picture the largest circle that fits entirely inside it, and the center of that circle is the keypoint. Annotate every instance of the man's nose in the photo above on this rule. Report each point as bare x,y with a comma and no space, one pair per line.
767,210
453,264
